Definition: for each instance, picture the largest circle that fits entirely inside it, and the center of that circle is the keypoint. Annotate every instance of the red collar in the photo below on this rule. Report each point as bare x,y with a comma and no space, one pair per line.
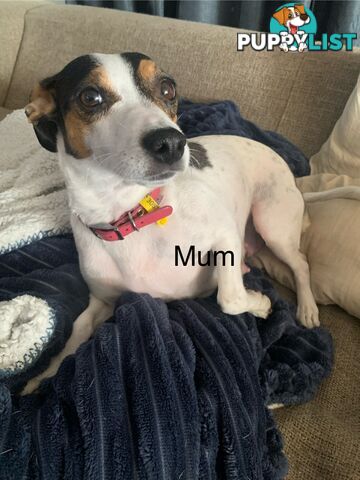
148,211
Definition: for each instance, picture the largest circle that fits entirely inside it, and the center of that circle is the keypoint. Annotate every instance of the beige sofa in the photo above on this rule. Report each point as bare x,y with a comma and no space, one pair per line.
300,96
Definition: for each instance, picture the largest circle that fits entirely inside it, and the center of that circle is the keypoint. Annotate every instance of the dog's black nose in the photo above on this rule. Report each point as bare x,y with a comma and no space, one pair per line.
304,16
165,145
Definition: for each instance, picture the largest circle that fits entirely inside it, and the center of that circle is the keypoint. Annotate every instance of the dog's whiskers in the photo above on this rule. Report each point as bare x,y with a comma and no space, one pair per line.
195,160
193,149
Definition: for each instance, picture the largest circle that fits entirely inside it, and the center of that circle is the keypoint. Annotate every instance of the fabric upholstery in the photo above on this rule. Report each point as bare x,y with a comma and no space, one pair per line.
267,86
322,437
11,32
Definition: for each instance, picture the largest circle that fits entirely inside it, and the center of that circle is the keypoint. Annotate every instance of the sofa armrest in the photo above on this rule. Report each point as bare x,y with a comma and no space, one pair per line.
12,14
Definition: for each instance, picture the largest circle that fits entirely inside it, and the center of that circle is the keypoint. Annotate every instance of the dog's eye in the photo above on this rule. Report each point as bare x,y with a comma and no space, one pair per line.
167,89
90,97
290,16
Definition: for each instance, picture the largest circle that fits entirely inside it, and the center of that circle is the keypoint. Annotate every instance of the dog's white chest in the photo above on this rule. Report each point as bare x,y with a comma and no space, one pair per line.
157,260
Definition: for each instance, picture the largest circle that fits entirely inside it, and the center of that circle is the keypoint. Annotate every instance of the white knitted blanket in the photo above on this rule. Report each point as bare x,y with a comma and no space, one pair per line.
33,201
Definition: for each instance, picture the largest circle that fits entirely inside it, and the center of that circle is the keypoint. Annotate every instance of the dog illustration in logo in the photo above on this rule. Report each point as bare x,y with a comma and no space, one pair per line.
293,18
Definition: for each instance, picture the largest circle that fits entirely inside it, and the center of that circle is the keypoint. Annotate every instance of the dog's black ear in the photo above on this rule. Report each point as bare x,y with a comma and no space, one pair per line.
42,113
46,131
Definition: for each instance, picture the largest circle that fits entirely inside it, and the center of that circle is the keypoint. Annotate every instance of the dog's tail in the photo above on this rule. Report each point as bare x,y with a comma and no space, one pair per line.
350,193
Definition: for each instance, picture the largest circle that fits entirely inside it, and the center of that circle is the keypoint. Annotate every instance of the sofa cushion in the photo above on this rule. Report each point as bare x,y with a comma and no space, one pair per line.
341,151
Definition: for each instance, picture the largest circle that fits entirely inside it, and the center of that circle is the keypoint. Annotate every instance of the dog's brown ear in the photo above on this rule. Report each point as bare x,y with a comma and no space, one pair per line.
301,8
41,112
280,16
42,102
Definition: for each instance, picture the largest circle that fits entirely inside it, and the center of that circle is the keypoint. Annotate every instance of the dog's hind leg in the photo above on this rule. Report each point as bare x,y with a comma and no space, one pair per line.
95,314
278,219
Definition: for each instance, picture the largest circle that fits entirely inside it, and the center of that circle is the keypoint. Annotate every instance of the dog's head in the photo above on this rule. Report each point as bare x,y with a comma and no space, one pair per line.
292,17
118,111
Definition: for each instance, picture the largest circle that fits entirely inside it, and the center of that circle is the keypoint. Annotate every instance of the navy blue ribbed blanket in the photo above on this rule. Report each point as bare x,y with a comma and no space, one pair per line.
162,391
167,392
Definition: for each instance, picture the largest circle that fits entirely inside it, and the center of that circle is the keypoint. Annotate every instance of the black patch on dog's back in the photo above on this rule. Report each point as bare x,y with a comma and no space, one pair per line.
198,156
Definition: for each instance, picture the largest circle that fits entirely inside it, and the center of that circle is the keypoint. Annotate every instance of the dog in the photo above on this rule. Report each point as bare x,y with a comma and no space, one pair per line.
293,18
138,190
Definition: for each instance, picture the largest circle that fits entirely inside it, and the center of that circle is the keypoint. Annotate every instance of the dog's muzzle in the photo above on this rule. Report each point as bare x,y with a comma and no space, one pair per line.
165,145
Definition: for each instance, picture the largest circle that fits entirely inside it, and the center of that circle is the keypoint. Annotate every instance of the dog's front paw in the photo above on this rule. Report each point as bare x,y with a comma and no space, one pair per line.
259,304
302,47
284,47
253,302
308,314
233,304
